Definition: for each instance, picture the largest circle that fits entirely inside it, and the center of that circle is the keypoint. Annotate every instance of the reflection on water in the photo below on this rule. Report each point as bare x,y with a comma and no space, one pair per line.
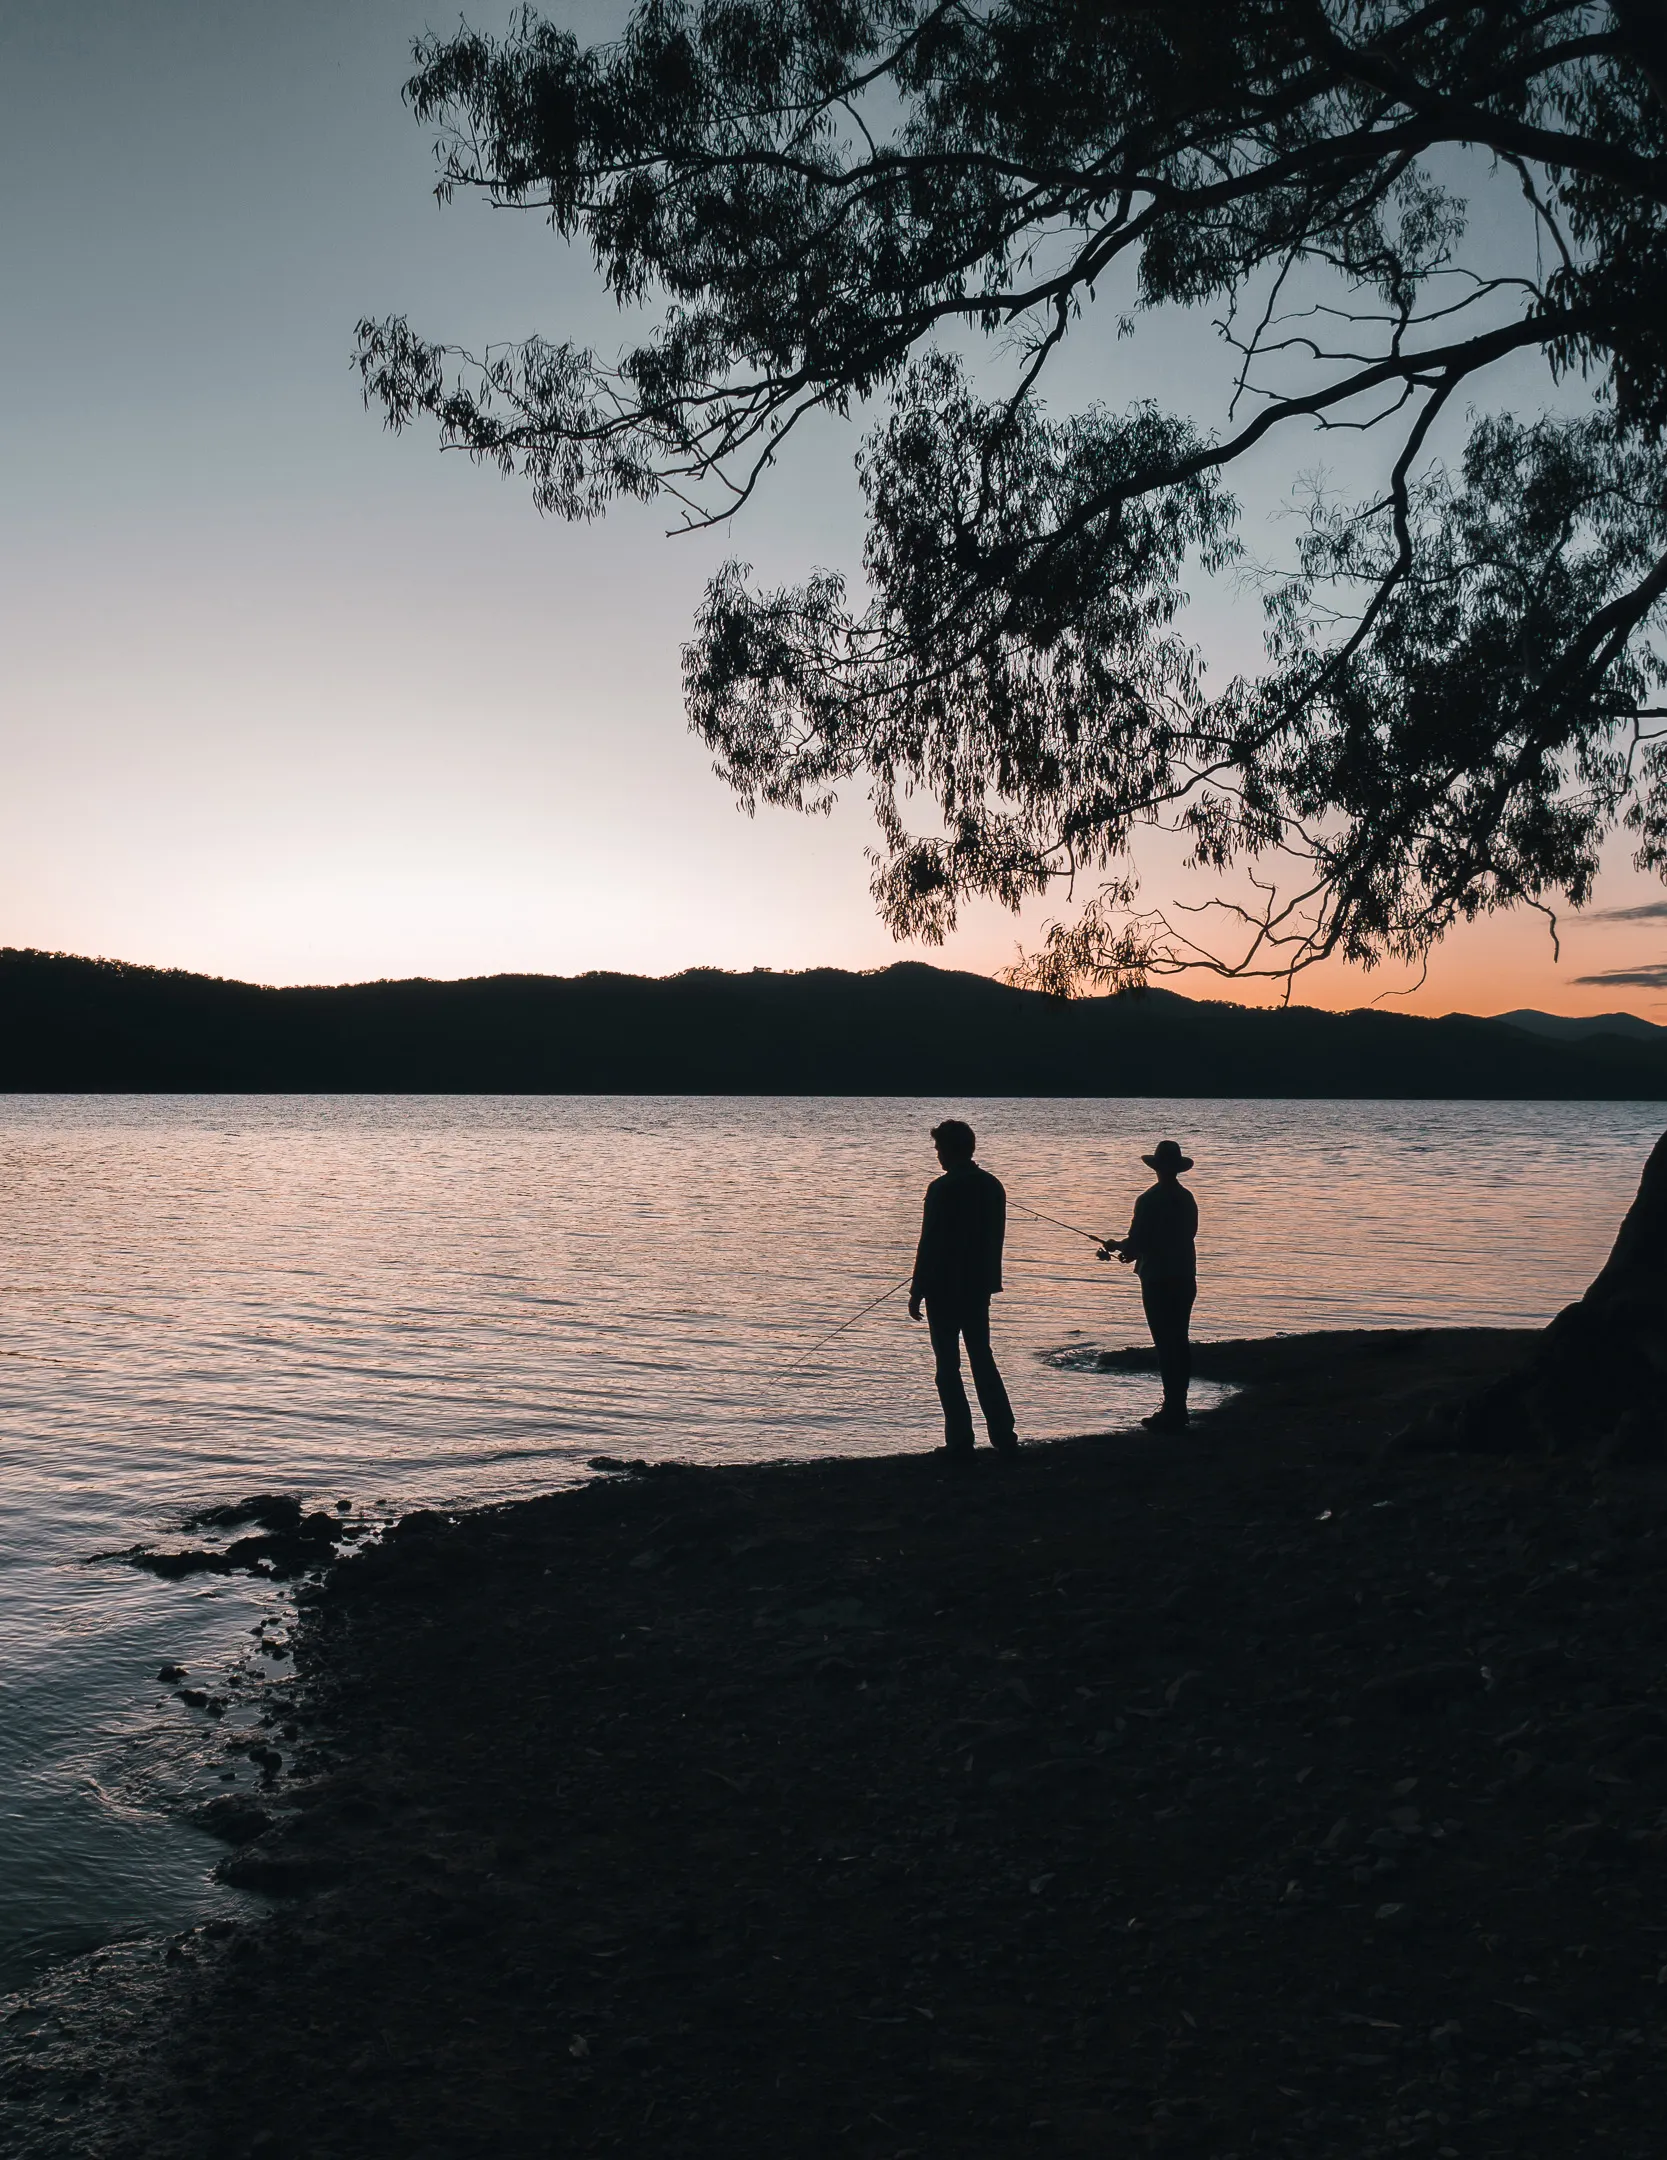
431,1299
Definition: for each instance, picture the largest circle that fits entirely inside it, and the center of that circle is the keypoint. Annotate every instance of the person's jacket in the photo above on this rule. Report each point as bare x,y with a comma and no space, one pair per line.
1162,1236
959,1257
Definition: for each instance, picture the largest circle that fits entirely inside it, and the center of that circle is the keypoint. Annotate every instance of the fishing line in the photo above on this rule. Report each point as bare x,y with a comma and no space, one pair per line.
805,1357
1093,1237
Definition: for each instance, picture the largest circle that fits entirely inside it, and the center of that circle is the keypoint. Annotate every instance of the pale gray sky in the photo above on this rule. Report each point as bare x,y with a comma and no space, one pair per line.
284,697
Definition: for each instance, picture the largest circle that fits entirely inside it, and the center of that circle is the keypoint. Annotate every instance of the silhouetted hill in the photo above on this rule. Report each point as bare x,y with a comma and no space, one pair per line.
89,1025
1564,1028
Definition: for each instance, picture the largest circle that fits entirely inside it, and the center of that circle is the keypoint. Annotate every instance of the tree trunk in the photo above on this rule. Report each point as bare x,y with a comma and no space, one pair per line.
1596,1383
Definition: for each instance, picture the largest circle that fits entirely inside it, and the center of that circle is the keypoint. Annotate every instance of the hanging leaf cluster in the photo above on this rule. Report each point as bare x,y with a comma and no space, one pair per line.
910,209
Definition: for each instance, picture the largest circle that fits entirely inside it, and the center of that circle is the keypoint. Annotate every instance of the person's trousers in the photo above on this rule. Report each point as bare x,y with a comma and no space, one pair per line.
1169,1316
951,1325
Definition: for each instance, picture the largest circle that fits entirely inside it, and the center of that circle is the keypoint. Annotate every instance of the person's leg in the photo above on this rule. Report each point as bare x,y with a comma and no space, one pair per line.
986,1378
1168,1312
945,1327
1181,1354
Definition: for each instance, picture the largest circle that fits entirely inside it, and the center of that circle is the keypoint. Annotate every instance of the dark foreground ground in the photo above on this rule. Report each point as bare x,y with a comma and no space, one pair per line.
1261,1793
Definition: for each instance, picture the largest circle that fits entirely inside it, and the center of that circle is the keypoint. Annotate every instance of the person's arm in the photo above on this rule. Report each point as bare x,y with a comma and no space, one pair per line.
917,1284
996,1233
1127,1248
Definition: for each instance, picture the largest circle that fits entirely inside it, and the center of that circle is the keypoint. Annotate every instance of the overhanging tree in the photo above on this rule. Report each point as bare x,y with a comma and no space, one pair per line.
824,204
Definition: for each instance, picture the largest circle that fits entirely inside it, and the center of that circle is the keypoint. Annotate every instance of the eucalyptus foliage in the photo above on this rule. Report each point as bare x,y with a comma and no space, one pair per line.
809,204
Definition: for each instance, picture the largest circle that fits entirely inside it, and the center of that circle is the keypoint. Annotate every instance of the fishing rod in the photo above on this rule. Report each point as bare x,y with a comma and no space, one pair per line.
1024,1208
805,1357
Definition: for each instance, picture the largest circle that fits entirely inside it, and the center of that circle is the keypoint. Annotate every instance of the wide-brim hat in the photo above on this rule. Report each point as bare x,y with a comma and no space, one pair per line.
1167,1156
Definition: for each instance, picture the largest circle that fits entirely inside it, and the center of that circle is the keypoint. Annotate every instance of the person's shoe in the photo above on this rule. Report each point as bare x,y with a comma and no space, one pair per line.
1009,1446
1166,1421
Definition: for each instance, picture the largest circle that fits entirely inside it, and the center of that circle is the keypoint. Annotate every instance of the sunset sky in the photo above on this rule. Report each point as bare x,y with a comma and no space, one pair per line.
290,699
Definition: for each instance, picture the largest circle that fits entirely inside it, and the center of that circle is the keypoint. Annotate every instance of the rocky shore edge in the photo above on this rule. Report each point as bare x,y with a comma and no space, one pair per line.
1273,1790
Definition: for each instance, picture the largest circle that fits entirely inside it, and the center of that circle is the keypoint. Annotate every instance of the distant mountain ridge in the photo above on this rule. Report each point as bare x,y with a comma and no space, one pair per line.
1565,1027
76,1025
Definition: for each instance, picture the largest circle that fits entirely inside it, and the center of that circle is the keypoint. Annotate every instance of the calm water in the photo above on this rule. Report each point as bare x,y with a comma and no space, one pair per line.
396,1301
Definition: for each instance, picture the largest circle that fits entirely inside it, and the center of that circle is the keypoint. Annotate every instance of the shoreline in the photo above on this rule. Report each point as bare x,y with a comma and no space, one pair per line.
1262,1791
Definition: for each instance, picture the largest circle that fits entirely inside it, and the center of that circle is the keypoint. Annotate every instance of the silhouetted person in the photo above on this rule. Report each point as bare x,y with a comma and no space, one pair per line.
957,1272
1162,1244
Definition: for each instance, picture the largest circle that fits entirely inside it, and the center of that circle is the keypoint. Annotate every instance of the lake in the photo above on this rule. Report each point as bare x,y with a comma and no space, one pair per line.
400,1301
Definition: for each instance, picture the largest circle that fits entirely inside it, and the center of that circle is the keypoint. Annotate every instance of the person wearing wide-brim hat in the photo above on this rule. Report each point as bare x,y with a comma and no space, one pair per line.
1162,1243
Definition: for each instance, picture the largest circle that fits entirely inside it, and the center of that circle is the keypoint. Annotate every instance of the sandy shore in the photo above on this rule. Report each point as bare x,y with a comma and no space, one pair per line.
1262,1792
